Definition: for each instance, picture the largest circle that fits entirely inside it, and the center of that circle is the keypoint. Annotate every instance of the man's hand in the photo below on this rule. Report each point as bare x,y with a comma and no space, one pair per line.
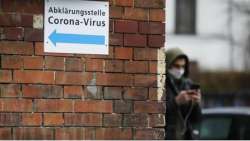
190,95
196,96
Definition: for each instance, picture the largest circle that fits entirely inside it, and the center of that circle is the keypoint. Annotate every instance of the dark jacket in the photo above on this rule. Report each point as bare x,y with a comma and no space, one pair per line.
180,120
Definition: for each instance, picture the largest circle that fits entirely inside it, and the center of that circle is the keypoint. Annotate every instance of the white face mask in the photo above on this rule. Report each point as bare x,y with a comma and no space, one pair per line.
177,73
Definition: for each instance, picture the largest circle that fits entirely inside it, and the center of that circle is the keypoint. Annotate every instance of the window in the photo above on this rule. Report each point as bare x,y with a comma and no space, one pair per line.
185,16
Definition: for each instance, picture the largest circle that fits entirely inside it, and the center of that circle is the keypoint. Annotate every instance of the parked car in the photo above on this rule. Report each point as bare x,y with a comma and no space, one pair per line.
225,124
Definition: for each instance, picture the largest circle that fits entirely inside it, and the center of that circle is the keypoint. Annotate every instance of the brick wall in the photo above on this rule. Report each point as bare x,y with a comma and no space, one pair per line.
69,96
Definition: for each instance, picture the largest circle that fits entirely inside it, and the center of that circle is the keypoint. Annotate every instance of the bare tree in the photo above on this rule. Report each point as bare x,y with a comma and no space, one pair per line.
243,6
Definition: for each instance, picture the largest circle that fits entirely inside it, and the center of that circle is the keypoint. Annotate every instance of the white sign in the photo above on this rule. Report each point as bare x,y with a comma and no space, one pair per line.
76,26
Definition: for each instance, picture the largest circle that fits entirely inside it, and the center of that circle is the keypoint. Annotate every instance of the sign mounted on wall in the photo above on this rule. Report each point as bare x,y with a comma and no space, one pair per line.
76,26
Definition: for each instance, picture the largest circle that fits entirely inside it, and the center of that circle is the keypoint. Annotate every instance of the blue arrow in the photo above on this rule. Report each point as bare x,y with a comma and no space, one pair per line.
76,38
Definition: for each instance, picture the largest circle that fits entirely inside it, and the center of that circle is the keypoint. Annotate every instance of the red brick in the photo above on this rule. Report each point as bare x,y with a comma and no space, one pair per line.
15,105
135,40
7,20
116,12
29,6
114,79
73,78
23,48
33,133
94,65
153,134
31,119
73,92
145,54
150,3
9,119
74,119
135,120
136,93
10,90
111,25
10,19
113,133
153,94
70,133
136,67
153,65
5,76
156,40
53,119
111,2
54,63
41,77
124,2
55,105
123,53
13,33
74,64
157,120
93,106
149,107
93,56
5,133
122,106
125,26
12,62
26,20
157,15
33,62
39,50
5,5
42,91
53,95
136,14
89,133
145,80
152,27
113,92
116,39
113,66
31,34
93,92
112,120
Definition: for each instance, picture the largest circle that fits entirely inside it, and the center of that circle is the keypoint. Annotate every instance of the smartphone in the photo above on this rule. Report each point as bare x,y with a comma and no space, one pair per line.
195,87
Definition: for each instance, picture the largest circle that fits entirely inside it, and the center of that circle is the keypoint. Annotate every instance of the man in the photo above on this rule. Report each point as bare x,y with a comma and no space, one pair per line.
183,98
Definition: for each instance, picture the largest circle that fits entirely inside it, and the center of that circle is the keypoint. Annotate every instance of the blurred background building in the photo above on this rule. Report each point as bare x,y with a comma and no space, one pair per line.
216,36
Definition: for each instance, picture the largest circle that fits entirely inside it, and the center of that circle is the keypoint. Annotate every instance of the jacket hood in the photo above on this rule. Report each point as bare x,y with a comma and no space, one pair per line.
174,53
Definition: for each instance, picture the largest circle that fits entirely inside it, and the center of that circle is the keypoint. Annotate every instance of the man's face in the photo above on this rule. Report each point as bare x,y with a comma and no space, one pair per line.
178,68
179,63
